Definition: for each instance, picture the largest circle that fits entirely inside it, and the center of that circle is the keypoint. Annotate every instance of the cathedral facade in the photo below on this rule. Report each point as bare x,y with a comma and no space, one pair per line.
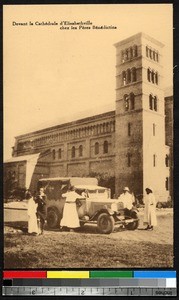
131,143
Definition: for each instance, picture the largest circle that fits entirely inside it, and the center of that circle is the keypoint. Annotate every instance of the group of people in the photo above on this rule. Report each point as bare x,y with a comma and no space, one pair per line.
150,206
36,211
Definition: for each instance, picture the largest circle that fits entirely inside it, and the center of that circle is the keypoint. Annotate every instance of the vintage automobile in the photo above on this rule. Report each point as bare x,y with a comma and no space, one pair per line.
96,206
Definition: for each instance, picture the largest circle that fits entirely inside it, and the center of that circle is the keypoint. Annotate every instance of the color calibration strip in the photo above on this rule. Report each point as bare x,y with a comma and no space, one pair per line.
100,282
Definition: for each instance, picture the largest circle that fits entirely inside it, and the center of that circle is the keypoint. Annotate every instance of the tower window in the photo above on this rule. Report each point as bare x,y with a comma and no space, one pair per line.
126,102
128,76
135,51
167,160
132,101
105,147
149,74
80,150
155,103
73,152
59,153
129,129
154,126
154,160
147,51
134,75
53,154
150,101
96,148
156,78
124,78
167,183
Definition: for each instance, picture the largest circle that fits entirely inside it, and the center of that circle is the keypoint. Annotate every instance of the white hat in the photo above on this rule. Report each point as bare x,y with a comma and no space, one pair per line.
126,189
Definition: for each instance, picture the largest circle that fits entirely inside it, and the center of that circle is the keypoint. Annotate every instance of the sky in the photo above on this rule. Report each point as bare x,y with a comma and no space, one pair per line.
53,75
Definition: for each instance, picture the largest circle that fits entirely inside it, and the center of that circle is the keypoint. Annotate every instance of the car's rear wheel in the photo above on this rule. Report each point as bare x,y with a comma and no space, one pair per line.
53,218
105,223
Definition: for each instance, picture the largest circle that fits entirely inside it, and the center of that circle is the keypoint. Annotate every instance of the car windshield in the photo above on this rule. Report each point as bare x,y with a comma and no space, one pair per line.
98,193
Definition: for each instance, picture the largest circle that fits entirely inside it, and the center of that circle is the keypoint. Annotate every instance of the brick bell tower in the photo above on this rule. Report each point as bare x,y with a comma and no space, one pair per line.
140,120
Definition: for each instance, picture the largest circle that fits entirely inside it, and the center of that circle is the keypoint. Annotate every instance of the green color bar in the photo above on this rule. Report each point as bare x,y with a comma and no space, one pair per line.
110,274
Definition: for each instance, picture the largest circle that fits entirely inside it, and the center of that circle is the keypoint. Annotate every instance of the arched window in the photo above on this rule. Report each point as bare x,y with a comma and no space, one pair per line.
154,55
150,53
147,51
122,56
134,75
132,101
167,160
59,153
155,103
153,76
131,53
151,102
126,102
127,54
124,78
105,147
128,76
73,151
53,153
156,78
80,150
135,51
157,57
149,74
96,148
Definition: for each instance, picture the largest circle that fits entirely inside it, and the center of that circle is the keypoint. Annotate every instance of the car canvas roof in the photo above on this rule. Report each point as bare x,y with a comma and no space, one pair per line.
73,180
89,187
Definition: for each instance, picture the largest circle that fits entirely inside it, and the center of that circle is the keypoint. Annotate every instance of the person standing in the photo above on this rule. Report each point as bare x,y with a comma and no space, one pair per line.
70,217
41,209
150,209
31,211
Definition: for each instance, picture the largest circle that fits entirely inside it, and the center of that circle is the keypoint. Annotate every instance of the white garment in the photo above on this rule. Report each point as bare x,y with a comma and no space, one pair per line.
127,199
70,216
31,211
150,210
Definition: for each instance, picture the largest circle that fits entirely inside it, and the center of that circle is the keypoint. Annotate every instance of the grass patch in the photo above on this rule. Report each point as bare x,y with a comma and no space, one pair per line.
77,250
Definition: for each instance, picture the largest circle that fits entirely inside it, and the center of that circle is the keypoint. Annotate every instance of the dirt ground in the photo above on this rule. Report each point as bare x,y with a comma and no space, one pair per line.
87,248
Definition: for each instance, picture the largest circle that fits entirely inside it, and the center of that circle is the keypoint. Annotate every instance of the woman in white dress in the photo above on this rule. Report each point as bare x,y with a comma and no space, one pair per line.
70,217
31,211
150,210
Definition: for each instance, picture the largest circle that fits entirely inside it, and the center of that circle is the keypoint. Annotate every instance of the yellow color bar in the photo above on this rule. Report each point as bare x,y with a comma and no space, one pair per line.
68,274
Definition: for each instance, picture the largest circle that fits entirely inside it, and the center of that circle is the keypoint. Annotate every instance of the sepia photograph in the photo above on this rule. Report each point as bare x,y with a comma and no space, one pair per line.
88,136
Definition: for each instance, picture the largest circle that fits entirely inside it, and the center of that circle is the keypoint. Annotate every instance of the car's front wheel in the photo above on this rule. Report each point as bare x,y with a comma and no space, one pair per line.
105,223
132,225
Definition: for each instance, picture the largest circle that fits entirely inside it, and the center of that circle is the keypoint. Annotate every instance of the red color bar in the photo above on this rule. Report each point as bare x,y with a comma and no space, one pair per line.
24,274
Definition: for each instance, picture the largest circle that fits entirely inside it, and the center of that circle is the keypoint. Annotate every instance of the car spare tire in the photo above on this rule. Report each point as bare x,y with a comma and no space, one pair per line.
53,218
105,223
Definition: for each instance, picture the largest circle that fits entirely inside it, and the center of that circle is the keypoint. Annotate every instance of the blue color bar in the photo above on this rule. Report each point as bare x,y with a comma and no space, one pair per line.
154,274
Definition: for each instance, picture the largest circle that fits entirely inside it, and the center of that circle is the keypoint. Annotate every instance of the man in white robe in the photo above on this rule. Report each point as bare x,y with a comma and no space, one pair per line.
150,209
126,198
31,211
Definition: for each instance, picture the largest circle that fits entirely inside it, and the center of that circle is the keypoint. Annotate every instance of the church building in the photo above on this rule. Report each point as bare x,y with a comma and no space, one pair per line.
132,143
